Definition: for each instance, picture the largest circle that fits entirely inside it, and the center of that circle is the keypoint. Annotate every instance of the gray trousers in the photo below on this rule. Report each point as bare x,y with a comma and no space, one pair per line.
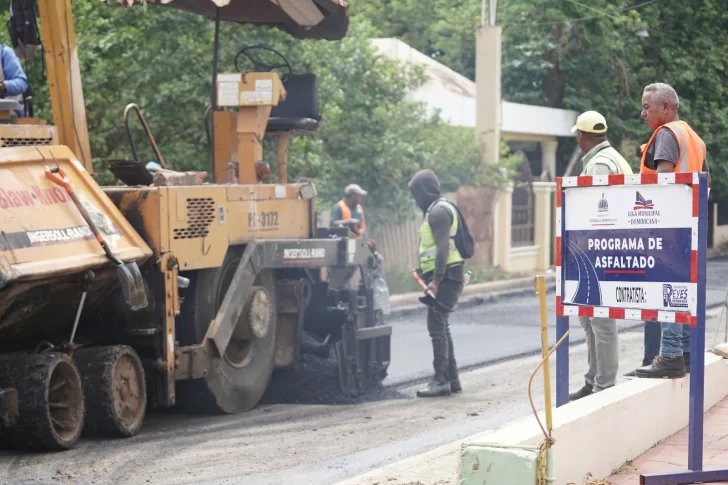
603,351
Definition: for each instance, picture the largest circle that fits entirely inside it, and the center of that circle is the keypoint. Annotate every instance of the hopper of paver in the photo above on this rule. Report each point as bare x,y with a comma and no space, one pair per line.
49,255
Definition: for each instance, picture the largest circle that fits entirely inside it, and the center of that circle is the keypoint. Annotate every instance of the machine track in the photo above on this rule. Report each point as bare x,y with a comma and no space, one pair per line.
115,390
50,398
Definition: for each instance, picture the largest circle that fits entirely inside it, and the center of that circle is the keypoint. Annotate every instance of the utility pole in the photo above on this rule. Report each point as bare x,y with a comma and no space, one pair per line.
492,7
488,82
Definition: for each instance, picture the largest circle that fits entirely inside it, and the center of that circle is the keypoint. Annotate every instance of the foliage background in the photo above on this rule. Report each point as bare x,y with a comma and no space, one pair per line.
561,53
586,54
161,60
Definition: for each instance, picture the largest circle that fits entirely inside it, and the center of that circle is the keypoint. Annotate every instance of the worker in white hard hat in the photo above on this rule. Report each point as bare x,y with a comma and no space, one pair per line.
601,158
601,333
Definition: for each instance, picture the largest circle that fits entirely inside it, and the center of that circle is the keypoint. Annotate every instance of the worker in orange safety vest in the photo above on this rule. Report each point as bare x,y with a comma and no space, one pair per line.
673,147
349,212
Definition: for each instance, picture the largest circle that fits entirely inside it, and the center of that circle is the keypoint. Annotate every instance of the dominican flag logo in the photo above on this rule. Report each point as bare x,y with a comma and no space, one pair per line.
641,203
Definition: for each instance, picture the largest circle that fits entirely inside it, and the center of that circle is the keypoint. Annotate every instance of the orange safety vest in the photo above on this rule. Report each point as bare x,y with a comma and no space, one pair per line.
346,214
692,148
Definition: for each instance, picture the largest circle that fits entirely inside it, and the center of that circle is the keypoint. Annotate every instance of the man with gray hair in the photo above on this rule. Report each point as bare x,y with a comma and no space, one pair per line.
673,147
349,213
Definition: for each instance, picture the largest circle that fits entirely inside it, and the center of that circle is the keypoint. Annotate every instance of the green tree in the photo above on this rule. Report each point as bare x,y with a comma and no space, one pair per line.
686,49
442,29
586,55
160,59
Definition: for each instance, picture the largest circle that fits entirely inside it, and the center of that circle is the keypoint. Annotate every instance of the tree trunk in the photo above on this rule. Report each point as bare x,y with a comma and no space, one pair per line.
554,83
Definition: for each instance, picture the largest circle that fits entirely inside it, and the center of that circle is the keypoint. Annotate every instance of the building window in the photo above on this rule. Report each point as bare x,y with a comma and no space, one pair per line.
522,223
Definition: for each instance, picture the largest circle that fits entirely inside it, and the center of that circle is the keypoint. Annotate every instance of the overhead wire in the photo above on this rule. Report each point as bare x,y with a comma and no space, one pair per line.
589,7
580,19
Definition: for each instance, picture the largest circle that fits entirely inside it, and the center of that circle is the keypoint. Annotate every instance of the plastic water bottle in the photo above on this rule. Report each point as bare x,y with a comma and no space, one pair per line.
467,277
381,295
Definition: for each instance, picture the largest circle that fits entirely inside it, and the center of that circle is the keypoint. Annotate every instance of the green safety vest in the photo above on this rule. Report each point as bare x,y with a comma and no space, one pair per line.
428,249
620,165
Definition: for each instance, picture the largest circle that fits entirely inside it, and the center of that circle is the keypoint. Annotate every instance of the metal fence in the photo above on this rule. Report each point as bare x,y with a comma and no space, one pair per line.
397,242
522,213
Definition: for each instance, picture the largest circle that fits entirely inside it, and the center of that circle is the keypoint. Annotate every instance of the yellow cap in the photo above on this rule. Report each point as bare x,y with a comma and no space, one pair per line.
590,122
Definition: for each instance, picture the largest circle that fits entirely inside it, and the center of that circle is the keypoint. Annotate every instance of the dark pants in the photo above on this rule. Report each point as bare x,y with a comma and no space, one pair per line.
437,324
653,336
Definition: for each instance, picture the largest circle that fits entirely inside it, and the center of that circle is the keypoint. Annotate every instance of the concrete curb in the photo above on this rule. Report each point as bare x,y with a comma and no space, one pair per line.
473,295
653,409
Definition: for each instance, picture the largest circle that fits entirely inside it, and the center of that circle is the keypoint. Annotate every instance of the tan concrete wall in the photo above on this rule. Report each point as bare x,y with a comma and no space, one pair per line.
523,259
544,230
720,233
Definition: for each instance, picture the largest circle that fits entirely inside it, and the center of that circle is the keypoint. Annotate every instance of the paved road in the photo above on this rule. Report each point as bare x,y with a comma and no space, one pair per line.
280,444
500,330
304,444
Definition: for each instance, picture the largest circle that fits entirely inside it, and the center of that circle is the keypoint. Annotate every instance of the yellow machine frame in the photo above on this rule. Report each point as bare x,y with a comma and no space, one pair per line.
179,228
186,227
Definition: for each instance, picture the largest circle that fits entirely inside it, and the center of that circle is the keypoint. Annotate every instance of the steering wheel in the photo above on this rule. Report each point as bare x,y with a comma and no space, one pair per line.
260,66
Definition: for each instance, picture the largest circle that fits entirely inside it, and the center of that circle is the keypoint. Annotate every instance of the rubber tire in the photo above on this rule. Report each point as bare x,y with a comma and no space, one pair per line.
226,389
30,374
97,365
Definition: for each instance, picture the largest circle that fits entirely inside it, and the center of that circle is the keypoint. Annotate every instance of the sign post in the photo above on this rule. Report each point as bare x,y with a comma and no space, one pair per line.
633,247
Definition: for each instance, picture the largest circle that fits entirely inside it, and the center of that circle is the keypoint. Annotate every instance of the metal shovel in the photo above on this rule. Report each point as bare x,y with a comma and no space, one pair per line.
429,299
130,278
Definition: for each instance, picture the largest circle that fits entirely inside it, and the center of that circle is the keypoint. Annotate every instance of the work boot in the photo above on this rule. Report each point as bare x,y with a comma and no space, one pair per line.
435,389
455,386
585,391
663,368
686,358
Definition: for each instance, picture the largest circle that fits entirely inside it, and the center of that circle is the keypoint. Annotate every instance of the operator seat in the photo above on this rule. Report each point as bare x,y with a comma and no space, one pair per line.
298,114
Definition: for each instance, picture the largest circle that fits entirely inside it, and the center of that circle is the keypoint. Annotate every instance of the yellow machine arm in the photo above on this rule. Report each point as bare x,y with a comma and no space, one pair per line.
64,77
318,19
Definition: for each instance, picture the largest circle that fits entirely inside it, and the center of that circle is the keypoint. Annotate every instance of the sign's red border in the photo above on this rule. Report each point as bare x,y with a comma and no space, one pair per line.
564,183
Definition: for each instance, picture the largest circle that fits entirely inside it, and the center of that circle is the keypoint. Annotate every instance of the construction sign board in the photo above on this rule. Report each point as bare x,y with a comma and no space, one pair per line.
627,250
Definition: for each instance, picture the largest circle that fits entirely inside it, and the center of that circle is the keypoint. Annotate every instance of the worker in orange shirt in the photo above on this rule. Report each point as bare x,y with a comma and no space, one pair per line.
349,213
673,147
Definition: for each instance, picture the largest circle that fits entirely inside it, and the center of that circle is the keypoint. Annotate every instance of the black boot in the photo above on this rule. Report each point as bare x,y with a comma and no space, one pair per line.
686,358
455,386
435,389
664,368
585,391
